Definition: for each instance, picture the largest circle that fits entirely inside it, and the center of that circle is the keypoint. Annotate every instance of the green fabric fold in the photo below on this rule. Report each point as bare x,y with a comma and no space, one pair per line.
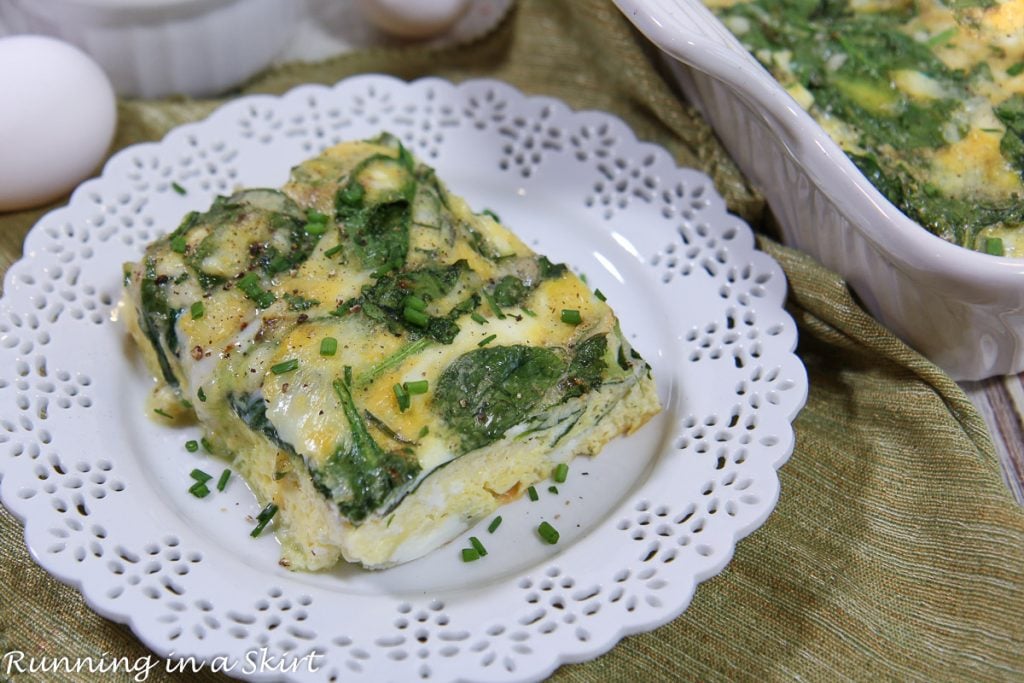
895,552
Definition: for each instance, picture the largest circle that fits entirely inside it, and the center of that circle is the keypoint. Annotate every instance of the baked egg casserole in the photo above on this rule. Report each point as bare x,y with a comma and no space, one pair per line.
925,96
383,365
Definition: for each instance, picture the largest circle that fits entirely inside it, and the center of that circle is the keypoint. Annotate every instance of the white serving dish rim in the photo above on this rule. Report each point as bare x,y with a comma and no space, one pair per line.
909,242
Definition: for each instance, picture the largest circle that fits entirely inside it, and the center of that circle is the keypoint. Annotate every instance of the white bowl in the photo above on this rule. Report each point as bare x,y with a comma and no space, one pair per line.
962,309
154,48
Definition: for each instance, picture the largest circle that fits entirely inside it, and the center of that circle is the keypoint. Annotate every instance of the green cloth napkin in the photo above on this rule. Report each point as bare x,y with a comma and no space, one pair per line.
895,552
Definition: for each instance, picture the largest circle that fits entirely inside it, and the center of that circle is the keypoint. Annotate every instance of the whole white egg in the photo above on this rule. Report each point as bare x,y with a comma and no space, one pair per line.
57,119
413,18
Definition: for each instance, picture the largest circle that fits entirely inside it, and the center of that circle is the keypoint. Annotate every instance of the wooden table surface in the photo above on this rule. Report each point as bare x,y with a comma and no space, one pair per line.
1001,402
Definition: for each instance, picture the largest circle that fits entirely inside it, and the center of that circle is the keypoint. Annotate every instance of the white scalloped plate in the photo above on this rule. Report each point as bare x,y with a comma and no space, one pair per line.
102,488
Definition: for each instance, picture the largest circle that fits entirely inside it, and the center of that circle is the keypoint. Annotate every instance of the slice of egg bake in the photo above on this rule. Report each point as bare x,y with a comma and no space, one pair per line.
384,366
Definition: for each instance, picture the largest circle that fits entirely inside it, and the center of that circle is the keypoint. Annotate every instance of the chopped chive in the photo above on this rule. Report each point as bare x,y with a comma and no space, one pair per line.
548,533
1015,70
222,483
600,295
477,545
198,310
487,340
178,244
561,472
314,216
206,445
285,366
470,555
201,395
493,526
328,346
348,375
418,387
583,276
488,212
332,251
192,446
280,474
416,303
498,313
994,246
553,489
315,228
199,490
250,286
414,317
263,519
941,38
162,413
402,396
200,476
423,432
532,492
528,312
571,316
477,318
390,519
186,403
178,188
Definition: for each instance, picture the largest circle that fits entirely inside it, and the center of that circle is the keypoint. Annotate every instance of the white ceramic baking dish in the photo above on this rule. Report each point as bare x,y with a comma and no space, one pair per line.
153,48
962,309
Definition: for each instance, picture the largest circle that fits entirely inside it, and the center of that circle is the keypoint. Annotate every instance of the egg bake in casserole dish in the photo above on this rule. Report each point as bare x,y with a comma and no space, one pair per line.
384,365
925,96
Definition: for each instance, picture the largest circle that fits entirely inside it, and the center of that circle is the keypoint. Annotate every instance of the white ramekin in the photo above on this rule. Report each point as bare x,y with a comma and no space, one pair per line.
962,309
155,48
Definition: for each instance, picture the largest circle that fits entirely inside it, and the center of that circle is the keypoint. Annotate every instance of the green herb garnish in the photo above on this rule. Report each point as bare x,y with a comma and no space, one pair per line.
328,346
402,396
548,533
250,286
285,366
415,317
263,519
222,483
178,188
561,472
418,387
532,492
192,446
198,310
477,546
199,490
493,526
571,316
470,555
487,340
